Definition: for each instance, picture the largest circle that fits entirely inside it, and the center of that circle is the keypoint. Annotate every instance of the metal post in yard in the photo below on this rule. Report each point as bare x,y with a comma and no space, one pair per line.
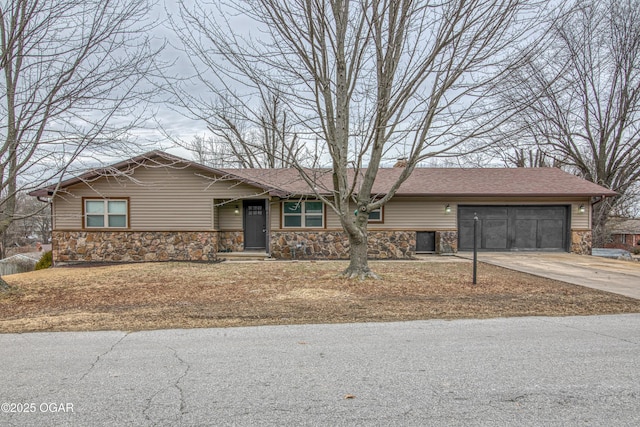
475,247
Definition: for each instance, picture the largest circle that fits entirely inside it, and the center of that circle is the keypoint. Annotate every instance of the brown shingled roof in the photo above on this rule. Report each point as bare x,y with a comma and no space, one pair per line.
500,182
515,182
625,225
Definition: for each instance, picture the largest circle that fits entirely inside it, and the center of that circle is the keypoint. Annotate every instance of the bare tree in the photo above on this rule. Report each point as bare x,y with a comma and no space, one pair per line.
32,223
368,79
243,138
74,77
527,158
578,99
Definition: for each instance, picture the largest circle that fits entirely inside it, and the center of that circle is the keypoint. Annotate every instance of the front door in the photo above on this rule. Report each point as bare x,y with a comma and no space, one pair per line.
255,224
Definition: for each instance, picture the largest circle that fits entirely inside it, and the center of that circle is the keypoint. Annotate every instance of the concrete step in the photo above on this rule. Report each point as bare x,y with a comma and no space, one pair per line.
244,256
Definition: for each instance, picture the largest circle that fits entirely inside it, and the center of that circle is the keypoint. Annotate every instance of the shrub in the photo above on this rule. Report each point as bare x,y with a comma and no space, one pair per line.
45,261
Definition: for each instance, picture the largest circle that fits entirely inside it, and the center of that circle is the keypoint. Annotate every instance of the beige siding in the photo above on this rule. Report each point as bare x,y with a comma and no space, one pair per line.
160,198
399,214
422,214
416,214
275,212
216,215
408,214
581,220
228,218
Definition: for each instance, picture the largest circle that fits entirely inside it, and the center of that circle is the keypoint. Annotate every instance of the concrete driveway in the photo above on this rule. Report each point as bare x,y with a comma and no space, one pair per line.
621,277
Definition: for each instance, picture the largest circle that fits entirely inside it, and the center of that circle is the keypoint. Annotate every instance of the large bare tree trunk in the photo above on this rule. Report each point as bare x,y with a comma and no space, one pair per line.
600,231
358,249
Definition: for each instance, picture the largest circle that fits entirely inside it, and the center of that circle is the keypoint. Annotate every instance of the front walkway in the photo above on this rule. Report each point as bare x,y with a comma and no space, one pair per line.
620,277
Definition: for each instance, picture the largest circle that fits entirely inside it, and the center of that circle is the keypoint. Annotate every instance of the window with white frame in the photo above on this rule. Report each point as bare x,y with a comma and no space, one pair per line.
303,214
106,213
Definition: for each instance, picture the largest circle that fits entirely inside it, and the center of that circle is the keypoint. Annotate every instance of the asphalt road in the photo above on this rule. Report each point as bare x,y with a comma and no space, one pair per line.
499,372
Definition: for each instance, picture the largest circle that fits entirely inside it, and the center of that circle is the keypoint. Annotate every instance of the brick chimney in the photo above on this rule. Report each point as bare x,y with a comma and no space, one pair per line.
401,162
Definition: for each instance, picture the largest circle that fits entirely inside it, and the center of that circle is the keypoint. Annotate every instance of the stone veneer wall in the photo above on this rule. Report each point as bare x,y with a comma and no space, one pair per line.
581,242
126,246
446,242
335,244
230,241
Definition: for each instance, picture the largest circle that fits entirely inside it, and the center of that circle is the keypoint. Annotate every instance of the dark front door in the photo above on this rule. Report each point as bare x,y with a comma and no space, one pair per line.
514,228
255,224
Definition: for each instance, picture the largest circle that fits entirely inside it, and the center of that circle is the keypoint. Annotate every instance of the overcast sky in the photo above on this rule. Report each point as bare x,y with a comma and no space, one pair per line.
172,122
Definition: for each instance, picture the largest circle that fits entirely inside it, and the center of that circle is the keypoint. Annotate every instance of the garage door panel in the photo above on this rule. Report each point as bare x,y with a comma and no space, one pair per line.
493,212
465,233
551,233
485,212
542,212
526,234
495,233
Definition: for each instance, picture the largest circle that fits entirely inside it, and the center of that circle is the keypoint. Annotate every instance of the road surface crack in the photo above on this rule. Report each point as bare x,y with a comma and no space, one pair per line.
175,384
179,379
100,356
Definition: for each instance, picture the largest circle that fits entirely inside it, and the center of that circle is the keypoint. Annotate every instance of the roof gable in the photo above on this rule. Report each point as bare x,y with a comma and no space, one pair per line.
157,158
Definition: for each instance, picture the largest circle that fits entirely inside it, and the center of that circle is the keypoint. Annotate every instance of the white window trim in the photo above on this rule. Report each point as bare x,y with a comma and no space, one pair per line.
302,214
105,214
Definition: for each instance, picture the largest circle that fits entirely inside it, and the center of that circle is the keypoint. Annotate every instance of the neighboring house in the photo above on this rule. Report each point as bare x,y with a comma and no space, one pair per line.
161,207
19,263
625,233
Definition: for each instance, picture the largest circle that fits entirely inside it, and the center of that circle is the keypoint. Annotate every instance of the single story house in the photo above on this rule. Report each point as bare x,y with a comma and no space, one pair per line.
625,233
159,206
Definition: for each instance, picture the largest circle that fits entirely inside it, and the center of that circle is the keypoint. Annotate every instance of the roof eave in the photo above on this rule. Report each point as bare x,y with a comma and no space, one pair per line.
537,195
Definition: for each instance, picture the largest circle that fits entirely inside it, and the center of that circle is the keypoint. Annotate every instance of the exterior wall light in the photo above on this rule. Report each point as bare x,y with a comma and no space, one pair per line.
237,210
581,209
447,209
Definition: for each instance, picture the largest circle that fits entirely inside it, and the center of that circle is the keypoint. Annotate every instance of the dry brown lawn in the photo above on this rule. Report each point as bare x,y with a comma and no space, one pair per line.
183,295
